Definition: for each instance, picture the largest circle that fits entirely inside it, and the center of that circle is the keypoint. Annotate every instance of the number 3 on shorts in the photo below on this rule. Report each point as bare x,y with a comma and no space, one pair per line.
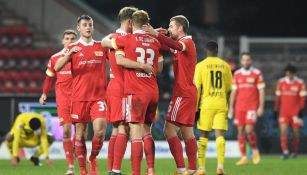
102,106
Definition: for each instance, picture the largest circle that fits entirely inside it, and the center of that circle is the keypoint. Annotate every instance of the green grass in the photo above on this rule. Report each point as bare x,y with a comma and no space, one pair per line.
270,165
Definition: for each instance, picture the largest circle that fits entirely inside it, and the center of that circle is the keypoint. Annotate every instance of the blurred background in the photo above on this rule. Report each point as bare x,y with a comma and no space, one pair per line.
31,30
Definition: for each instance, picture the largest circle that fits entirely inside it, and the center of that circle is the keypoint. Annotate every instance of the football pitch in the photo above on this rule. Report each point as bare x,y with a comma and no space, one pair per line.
270,165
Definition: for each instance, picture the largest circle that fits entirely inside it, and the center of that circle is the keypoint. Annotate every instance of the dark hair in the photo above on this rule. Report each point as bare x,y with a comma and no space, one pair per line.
212,47
290,68
69,32
247,54
140,17
126,13
181,21
35,123
84,17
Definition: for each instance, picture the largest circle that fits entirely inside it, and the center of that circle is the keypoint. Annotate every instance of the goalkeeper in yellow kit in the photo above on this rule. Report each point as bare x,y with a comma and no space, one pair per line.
213,80
29,130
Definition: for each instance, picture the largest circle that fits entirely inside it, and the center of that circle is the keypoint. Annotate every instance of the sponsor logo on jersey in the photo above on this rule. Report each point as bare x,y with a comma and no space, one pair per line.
90,62
294,88
99,53
143,75
250,80
65,72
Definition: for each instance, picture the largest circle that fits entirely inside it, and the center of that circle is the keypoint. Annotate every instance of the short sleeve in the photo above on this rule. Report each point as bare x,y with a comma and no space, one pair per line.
278,89
119,42
234,85
260,81
303,92
50,68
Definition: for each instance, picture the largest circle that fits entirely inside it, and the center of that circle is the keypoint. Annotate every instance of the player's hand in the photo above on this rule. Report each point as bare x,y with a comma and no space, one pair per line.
162,30
48,161
150,30
14,161
74,50
298,120
230,113
260,112
42,99
147,68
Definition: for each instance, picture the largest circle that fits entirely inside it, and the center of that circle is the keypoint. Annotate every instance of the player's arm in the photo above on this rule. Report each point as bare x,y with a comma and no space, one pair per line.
303,94
66,58
233,96
127,63
261,89
44,138
160,64
107,41
17,131
198,83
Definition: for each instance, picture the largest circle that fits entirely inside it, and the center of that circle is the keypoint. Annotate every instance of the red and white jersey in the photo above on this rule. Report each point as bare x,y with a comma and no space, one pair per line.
142,48
290,93
247,83
116,84
184,68
63,84
88,68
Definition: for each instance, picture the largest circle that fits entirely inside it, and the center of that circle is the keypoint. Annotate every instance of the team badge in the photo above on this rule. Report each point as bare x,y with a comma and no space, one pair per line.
294,88
99,53
250,80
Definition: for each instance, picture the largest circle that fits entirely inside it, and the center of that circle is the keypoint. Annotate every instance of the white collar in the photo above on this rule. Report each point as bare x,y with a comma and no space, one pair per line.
295,78
121,31
186,37
85,43
248,71
139,32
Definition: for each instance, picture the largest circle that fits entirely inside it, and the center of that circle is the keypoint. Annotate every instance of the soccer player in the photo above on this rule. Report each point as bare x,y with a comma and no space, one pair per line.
290,101
63,90
248,96
29,130
140,87
115,97
213,79
181,112
88,66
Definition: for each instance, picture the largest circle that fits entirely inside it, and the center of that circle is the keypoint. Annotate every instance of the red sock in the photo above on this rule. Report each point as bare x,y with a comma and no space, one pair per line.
242,145
284,144
111,152
149,149
176,150
136,156
97,143
119,151
68,148
295,145
252,140
191,151
80,147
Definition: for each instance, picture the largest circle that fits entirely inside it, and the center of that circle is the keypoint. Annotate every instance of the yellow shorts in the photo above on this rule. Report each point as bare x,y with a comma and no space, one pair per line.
212,119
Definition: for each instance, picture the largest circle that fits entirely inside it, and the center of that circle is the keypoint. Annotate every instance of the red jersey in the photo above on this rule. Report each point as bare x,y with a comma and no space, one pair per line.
142,48
247,83
184,67
116,84
88,68
63,84
292,95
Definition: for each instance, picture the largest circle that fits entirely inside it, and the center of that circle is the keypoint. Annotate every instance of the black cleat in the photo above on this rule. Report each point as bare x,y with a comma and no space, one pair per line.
284,156
35,161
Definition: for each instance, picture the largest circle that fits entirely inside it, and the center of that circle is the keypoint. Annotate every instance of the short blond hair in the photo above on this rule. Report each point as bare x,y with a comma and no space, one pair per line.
181,20
140,18
69,32
126,13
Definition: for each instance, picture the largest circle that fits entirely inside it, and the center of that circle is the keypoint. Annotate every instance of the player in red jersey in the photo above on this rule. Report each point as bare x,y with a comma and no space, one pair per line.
248,93
88,66
290,101
115,98
181,112
63,90
140,87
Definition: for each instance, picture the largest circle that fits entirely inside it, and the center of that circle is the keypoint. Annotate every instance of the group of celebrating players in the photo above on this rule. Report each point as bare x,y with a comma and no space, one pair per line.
129,101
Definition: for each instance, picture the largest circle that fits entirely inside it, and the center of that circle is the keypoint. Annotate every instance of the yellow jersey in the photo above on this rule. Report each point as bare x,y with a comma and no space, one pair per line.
23,133
213,79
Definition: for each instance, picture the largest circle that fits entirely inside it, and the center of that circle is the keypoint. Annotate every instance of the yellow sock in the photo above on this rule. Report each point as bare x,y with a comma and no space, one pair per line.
202,149
38,152
220,146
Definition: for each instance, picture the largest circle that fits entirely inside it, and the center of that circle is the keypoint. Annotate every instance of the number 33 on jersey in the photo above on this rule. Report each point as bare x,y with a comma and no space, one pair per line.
213,79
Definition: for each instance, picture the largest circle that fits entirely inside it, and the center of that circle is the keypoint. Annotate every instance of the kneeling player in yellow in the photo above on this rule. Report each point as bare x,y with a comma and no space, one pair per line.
29,130
213,79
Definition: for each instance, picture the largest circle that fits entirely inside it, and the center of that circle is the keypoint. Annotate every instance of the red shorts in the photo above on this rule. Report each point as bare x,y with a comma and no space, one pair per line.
243,118
86,111
141,108
64,109
181,111
291,120
115,109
